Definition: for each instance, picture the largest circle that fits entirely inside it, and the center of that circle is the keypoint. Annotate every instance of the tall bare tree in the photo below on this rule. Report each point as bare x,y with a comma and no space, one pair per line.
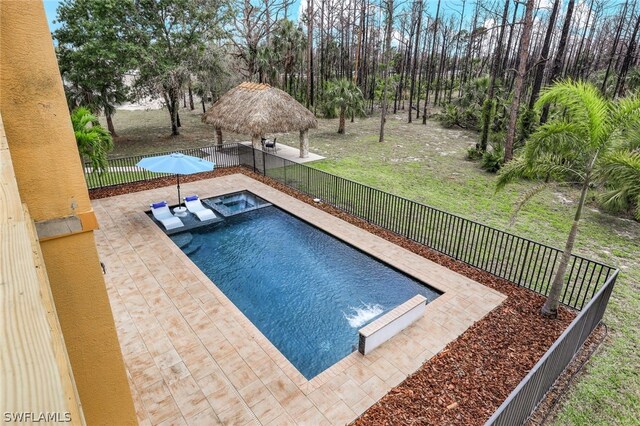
388,6
519,80
488,106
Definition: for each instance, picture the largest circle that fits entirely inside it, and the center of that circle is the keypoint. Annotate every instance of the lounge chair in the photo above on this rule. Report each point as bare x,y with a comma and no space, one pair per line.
163,215
194,205
271,144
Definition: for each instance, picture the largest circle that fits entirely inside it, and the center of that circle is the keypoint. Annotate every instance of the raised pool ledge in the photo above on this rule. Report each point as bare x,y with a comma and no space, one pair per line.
391,323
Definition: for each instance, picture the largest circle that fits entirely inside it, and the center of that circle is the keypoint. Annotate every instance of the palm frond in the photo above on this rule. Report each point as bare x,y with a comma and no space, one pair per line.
94,141
557,137
626,111
582,104
514,170
625,122
524,198
620,171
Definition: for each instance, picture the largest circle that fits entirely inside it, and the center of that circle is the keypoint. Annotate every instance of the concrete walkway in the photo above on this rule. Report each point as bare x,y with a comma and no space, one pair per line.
290,153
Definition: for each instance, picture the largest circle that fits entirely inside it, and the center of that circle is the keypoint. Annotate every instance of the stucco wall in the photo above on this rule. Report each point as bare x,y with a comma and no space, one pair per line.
51,183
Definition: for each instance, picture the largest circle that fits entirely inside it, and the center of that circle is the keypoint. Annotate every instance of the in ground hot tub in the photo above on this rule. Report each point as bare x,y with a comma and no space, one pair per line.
236,203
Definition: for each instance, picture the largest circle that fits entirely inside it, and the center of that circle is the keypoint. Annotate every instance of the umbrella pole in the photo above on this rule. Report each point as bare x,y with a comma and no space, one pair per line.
178,179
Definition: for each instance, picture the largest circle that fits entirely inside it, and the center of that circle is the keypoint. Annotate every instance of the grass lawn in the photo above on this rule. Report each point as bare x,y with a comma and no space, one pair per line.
144,132
427,164
114,178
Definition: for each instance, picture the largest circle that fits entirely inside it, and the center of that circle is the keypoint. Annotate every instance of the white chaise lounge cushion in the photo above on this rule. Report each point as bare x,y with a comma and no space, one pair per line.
194,205
162,214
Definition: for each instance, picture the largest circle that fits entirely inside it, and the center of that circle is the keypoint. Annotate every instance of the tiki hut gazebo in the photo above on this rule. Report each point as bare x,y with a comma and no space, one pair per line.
259,109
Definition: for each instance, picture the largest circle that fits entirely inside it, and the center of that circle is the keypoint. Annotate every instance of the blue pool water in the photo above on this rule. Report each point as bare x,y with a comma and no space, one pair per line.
305,290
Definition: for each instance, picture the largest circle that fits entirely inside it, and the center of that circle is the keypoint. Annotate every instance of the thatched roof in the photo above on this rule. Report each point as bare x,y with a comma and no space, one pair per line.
259,109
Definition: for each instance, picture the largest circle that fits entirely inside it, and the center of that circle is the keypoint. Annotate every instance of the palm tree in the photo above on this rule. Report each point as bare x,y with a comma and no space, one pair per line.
347,98
94,141
289,42
104,101
585,128
265,61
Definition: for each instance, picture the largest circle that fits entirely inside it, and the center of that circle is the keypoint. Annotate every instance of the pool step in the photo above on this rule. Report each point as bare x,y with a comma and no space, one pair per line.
183,240
189,250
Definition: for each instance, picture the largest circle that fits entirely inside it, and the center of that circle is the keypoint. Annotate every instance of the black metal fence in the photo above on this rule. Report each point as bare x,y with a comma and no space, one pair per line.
588,284
517,408
514,258
124,170
517,259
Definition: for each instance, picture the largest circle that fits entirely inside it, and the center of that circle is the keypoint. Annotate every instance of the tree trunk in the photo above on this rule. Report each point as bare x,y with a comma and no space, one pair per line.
577,68
559,58
487,108
457,53
387,62
550,308
415,59
468,61
219,136
342,120
178,118
519,81
420,72
542,61
627,60
505,61
310,54
191,105
173,112
204,108
110,126
431,64
443,59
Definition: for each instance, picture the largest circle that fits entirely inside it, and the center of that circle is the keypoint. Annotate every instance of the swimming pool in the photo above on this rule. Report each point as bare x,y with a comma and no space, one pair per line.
305,290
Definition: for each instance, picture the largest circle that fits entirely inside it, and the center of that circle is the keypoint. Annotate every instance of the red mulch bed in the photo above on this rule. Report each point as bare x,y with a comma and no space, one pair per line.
469,379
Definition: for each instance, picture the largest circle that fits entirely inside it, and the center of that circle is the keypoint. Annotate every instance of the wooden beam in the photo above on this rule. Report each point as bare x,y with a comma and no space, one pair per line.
35,375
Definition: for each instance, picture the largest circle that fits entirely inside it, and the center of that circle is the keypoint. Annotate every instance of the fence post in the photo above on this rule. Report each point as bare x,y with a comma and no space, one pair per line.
284,167
369,190
253,155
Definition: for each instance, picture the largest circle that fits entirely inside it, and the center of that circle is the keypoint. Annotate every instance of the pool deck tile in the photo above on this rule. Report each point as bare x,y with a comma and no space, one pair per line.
193,358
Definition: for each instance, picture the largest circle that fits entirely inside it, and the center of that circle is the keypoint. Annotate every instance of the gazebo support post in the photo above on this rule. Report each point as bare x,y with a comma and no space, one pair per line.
219,136
255,141
304,143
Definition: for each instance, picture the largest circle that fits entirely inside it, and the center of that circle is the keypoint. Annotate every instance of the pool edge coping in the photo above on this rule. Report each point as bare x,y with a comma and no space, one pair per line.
309,385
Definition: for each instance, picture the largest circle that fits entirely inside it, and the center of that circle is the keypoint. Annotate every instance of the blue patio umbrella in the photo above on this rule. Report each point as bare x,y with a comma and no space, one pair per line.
176,163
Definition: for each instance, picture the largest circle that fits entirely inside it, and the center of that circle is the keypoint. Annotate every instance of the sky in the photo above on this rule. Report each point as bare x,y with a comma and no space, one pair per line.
448,7
50,9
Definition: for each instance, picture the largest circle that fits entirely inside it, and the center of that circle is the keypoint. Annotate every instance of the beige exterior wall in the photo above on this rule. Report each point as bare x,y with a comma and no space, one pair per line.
51,183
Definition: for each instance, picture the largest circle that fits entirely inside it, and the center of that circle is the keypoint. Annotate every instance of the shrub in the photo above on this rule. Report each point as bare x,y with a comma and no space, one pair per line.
493,160
474,153
449,117
327,110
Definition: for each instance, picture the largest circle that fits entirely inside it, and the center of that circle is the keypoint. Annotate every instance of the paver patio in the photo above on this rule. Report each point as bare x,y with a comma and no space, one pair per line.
193,358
